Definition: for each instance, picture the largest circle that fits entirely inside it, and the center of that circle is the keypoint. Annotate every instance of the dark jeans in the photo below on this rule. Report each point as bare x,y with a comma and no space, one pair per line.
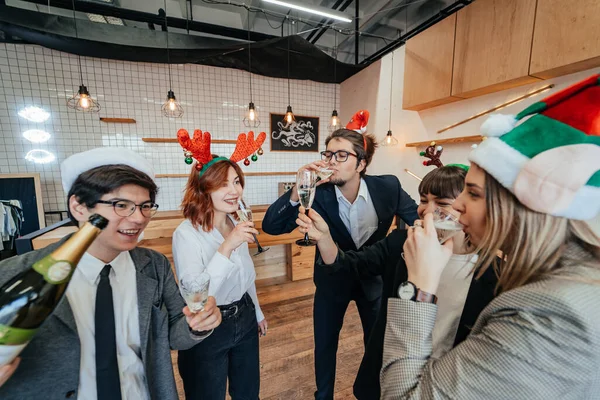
328,313
230,352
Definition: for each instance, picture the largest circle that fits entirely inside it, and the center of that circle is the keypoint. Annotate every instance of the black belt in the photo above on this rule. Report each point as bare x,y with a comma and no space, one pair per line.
230,310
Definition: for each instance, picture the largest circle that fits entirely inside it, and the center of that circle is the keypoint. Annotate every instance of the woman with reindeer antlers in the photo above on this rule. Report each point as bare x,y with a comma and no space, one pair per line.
211,239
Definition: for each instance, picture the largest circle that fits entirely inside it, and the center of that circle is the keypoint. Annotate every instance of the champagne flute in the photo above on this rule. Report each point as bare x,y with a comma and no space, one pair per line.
446,224
324,173
306,182
245,214
194,289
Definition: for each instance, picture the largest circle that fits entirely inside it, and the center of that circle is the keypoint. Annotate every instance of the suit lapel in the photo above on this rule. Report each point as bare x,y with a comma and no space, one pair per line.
147,284
481,293
64,313
329,204
378,195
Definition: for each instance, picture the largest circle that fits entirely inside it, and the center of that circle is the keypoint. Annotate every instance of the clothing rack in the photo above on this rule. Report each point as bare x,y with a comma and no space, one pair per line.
11,224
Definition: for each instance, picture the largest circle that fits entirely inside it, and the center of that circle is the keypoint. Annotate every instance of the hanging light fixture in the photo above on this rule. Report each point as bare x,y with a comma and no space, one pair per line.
171,107
289,114
389,139
251,120
81,101
334,122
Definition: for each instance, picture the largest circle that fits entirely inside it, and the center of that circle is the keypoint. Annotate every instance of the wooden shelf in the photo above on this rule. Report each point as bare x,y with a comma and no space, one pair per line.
118,120
462,139
245,174
174,140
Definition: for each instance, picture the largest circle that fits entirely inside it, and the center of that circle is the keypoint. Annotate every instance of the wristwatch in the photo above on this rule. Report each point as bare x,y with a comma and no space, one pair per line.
408,291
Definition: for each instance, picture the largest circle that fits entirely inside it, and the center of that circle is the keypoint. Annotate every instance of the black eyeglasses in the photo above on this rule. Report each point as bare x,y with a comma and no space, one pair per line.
340,155
125,208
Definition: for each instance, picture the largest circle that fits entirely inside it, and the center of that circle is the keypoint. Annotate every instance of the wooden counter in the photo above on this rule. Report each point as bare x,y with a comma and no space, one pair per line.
285,259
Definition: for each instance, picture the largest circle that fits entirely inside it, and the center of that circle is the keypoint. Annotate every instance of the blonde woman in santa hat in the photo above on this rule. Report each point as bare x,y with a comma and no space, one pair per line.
359,210
111,336
529,195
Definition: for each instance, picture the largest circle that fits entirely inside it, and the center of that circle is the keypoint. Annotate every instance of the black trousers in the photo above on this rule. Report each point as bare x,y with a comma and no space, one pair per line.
328,317
230,352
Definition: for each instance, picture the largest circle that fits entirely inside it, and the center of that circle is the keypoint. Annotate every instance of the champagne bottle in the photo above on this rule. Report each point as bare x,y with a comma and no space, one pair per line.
28,299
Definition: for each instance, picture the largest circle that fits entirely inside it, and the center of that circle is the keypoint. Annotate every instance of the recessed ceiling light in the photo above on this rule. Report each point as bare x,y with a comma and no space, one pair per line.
40,156
114,20
34,114
36,135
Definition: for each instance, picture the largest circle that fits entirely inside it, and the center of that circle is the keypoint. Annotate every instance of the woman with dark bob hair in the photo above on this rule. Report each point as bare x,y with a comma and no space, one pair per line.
462,297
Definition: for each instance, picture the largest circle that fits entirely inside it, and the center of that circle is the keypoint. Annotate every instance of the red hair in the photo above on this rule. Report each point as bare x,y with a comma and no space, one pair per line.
197,205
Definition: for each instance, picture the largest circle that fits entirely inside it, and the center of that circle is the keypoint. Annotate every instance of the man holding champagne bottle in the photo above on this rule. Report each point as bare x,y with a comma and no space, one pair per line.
110,336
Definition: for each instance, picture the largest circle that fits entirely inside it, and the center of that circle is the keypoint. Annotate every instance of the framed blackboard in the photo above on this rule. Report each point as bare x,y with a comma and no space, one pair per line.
300,135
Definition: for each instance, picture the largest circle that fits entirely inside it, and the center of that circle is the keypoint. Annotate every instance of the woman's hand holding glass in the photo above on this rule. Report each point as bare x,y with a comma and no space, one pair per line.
242,233
313,224
425,257
207,319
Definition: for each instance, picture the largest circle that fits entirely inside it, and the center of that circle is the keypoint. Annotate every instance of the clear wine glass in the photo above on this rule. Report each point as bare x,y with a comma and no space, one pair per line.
306,182
323,173
446,224
245,214
194,289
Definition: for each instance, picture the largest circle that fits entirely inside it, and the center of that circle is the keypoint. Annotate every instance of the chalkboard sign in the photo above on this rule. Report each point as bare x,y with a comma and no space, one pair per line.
300,135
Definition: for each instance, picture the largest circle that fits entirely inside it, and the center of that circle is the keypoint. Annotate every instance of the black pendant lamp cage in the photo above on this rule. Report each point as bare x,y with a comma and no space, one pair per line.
251,119
389,139
334,122
171,108
82,100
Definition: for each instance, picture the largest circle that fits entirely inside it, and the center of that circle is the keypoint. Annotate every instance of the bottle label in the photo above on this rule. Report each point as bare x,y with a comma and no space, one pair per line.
8,353
54,272
15,336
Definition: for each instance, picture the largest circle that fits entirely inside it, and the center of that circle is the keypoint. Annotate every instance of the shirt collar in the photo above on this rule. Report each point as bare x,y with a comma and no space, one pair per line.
363,191
90,267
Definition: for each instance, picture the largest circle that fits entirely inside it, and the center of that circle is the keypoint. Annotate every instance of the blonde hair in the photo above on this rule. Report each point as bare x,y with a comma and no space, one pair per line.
532,244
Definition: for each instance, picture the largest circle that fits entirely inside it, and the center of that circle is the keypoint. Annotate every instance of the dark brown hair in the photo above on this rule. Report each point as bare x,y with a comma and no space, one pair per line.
445,182
358,141
197,205
92,184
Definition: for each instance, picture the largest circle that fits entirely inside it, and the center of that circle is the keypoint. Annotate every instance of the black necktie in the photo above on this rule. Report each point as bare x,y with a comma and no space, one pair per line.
107,367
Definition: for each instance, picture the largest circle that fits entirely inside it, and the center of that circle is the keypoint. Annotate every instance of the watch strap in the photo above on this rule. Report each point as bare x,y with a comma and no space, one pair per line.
424,297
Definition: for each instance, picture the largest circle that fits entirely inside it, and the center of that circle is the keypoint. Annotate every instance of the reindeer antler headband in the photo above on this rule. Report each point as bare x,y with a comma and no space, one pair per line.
434,153
198,147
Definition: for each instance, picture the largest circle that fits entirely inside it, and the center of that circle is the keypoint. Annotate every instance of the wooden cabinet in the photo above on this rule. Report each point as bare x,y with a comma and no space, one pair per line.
428,67
493,46
566,38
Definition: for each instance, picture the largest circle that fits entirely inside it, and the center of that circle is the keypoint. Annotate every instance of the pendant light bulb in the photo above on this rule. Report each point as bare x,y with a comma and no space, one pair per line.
334,122
171,108
289,115
389,140
251,120
82,101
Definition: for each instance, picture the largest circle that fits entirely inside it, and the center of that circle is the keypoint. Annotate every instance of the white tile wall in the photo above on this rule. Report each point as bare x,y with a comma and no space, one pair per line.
214,100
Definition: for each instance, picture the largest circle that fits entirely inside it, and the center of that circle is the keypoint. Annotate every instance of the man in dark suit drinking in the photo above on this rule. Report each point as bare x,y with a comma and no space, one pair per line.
359,210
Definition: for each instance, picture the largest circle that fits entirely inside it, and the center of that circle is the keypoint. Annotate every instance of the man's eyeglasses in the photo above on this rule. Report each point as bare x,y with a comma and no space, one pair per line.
340,155
125,208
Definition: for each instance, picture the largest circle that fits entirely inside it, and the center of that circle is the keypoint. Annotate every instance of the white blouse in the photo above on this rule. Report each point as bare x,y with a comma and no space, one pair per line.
195,250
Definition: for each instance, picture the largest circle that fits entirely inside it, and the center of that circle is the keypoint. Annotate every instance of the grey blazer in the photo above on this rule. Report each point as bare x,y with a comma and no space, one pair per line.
49,366
539,341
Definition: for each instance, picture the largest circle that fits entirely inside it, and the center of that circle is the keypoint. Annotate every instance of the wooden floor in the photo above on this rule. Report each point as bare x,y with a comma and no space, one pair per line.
286,353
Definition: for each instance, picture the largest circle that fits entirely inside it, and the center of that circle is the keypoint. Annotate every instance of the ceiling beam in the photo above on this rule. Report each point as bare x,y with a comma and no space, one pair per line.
322,31
133,15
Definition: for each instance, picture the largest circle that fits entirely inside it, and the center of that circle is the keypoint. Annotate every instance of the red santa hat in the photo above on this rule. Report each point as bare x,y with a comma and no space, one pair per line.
358,123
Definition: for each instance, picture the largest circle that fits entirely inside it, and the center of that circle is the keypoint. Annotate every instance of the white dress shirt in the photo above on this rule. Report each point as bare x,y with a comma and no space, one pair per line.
195,250
81,294
452,293
360,217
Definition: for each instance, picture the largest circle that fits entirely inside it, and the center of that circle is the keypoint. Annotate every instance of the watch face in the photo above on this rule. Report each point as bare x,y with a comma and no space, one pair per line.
406,291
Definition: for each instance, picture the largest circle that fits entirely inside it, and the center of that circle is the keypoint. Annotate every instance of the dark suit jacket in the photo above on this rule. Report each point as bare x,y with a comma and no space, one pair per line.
384,259
389,200
49,366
